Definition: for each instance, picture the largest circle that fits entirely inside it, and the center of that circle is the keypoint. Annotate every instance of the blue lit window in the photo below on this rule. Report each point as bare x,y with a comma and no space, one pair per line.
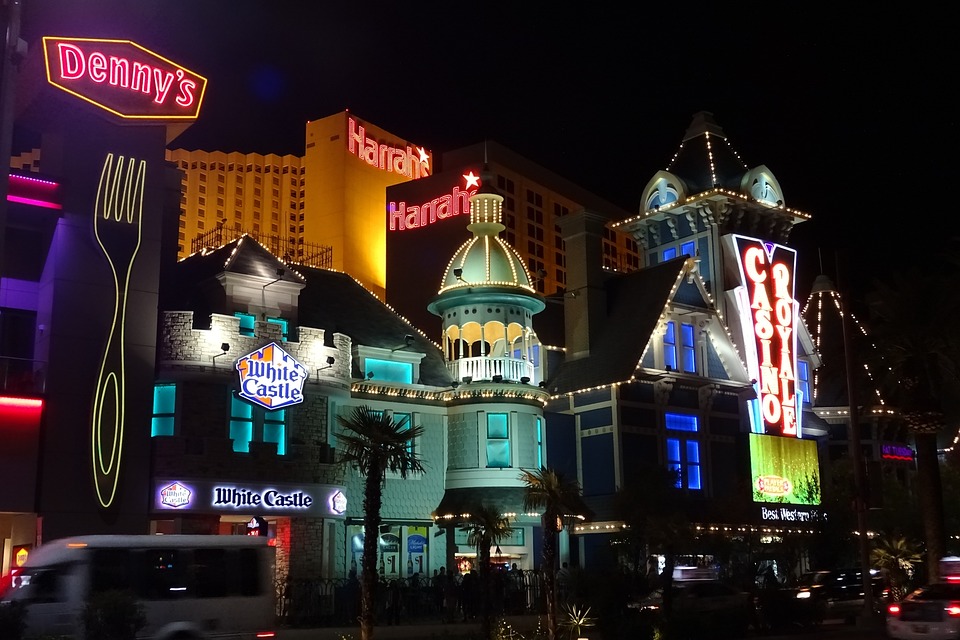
164,410
389,371
669,254
670,346
683,458
688,249
498,440
681,422
247,323
688,348
803,379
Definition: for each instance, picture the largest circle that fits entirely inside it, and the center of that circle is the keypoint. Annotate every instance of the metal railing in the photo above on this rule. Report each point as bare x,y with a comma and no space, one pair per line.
22,375
485,367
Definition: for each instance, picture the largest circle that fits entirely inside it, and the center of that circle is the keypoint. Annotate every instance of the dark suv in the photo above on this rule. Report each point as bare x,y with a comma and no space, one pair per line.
834,593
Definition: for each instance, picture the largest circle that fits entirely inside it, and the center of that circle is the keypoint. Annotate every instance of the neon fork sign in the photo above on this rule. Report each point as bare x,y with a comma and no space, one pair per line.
123,78
116,225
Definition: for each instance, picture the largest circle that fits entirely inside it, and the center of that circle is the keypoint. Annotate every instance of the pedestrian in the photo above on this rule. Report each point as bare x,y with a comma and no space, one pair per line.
563,583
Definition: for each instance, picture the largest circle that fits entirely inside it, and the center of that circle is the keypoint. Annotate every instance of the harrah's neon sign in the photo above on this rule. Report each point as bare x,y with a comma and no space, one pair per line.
123,78
385,157
767,274
402,216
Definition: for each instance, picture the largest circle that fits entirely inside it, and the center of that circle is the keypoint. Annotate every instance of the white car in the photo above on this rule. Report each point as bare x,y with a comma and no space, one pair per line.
931,612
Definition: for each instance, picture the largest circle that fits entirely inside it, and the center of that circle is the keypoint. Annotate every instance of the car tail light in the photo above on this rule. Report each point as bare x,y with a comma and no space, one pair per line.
953,609
893,609
266,634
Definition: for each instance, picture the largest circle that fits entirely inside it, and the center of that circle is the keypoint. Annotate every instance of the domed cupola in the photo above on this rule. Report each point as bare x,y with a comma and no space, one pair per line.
486,260
487,300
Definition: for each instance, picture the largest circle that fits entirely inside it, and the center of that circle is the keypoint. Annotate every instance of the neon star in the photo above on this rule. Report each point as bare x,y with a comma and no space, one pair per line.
424,156
472,180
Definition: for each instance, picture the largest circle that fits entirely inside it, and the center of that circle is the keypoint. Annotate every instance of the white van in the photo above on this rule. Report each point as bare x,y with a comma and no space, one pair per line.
192,587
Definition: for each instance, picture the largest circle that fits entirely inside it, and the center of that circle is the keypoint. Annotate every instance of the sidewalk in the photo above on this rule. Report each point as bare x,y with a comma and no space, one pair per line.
419,630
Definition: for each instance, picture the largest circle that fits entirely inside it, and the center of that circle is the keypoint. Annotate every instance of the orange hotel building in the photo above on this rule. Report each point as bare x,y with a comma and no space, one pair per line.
328,207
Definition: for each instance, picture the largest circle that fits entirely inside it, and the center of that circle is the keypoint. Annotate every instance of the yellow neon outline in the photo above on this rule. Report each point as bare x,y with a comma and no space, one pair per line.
46,63
125,207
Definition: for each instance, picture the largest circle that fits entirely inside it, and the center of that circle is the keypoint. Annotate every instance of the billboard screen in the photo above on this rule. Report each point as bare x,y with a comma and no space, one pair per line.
784,470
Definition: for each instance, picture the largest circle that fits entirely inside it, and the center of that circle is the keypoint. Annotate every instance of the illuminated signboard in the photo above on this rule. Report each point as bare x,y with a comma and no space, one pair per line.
271,378
403,216
386,157
123,78
210,497
768,313
784,470
896,452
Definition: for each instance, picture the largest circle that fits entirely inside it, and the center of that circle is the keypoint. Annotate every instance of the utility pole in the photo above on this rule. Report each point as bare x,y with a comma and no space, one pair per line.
13,50
856,456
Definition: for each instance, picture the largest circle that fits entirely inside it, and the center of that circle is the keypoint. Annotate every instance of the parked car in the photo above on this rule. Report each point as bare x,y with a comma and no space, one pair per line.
833,594
931,612
701,605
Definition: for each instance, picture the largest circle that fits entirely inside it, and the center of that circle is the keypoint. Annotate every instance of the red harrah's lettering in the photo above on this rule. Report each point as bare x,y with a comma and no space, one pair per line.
385,157
413,217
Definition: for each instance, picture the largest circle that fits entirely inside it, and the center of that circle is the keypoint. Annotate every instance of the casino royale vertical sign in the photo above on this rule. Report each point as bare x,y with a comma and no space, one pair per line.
769,315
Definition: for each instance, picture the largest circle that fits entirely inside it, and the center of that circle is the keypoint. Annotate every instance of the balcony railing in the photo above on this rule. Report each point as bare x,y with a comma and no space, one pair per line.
22,375
486,367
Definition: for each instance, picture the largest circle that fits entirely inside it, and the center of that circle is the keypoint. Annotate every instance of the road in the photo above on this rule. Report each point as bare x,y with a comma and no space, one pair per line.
471,631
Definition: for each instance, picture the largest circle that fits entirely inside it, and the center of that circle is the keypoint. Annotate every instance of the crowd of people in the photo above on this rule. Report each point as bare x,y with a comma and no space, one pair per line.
451,596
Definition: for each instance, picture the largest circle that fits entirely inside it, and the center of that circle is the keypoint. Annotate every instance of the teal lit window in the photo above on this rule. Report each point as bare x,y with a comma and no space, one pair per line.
283,326
803,379
670,346
247,323
688,348
255,424
539,443
407,421
274,429
498,440
241,424
164,410
389,371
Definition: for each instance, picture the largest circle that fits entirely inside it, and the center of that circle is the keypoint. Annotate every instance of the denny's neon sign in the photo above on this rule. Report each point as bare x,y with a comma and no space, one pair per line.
769,312
123,78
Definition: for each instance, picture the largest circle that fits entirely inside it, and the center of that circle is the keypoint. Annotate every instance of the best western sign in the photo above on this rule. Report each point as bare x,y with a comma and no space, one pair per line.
123,78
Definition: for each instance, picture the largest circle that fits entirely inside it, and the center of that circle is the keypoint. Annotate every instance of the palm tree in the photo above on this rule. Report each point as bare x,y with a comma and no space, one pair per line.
373,443
918,354
485,527
896,557
559,499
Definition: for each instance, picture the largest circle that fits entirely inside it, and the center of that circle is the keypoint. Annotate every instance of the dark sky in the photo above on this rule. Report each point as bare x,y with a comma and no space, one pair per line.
850,112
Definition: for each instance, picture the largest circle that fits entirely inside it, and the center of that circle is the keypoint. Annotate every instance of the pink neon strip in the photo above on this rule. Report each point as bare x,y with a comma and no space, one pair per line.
36,203
7,401
14,176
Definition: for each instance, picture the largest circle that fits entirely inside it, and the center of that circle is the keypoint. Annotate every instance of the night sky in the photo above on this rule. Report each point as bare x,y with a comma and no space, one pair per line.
850,112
